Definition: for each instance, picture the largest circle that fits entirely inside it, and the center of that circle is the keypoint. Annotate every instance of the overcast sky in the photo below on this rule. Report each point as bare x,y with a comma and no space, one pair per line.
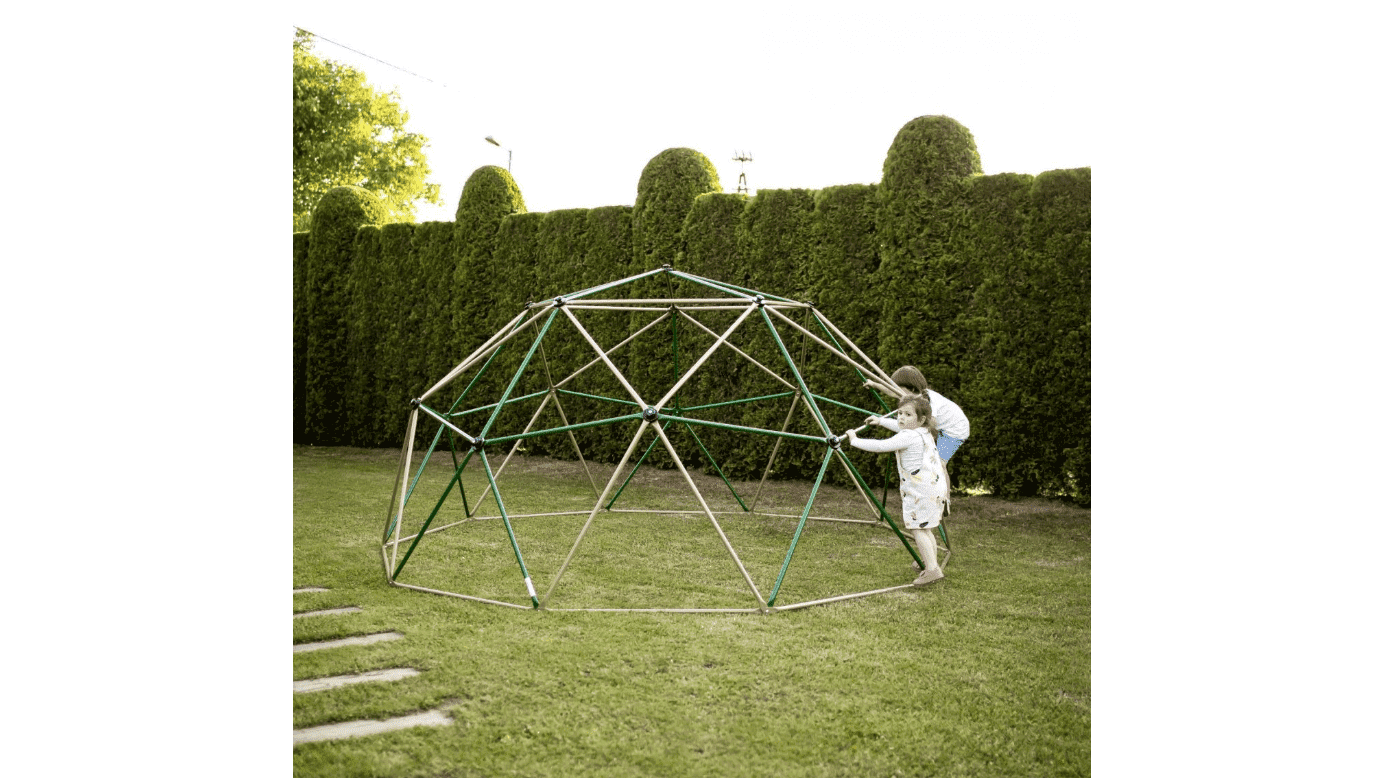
586,94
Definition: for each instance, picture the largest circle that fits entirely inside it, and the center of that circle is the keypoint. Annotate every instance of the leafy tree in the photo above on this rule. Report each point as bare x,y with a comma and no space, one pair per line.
347,134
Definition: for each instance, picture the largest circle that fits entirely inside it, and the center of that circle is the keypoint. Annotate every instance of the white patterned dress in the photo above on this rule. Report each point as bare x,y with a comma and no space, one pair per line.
921,474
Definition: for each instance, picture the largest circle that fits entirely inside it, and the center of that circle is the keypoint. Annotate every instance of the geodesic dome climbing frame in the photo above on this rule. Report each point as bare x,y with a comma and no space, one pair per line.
733,331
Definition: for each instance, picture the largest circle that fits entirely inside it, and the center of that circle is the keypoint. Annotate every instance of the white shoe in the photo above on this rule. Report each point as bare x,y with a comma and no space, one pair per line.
934,574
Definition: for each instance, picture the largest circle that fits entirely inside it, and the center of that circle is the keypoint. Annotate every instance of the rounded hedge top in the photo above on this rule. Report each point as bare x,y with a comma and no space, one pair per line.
490,189
348,206
677,174
927,152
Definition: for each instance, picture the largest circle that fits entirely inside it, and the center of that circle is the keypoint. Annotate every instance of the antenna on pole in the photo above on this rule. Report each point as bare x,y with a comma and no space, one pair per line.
743,157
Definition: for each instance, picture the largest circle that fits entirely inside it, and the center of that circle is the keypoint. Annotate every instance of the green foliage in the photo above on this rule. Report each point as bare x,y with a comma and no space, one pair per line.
301,295
775,238
326,362
490,195
401,283
839,279
924,179
1031,326
608,257
980,281
668,186
366,325
347,134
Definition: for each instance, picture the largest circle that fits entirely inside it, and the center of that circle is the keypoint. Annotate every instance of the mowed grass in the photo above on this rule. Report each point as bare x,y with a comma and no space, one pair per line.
985,673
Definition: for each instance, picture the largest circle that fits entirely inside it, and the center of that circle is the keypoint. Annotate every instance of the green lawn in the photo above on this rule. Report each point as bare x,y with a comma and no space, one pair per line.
985,673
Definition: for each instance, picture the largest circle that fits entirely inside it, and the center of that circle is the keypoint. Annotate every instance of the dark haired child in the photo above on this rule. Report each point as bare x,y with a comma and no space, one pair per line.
921,474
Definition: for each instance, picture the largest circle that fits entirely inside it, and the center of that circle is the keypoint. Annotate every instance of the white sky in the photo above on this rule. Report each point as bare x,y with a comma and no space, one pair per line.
585,95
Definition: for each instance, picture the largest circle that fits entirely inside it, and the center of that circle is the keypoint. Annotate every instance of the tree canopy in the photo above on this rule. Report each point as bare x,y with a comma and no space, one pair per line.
347,134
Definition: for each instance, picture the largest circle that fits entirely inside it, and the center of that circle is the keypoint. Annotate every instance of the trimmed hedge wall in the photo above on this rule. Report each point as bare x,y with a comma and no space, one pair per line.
301,295
983,282
326,364
402,281
1031,363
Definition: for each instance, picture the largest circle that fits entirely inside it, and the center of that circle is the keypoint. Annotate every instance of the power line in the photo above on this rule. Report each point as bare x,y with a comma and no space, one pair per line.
376,59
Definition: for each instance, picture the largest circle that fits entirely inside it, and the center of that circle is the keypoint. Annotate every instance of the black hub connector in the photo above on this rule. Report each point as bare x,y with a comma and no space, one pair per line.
650,413
834,442
415,402
558,302
478,444
759,300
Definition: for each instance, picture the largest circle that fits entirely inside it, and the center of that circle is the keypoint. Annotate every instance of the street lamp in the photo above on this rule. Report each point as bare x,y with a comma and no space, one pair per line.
491,139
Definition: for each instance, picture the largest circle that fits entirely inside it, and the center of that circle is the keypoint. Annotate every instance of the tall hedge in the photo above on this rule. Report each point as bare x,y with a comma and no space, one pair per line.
668,186
300,300
1033,355
365,392
479,280
840,281
335,220
608,257
994,244
510,287
559,271
441,344
775,239
490,194
399,278
923,179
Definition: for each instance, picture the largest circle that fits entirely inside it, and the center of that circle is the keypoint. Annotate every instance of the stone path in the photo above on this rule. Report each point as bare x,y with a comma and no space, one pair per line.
346,729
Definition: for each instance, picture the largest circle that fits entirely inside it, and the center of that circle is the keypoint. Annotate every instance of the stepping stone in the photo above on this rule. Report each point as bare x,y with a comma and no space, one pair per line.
362,640
432,718
309,589
318,684
328,612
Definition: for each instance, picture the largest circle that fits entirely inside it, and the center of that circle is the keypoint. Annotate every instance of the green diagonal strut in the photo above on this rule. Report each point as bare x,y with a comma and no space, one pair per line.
865,488
519,373
527,581
811,403
800,524
455,479
712,460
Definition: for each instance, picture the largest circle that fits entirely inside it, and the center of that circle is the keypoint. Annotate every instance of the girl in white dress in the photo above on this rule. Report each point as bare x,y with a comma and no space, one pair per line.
921,474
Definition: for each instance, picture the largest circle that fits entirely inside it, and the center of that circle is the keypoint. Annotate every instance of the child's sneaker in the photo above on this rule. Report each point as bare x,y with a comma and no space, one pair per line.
928,576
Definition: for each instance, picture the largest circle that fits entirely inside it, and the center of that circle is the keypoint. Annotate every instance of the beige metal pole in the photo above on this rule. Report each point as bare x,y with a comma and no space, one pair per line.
774,455
643,425
856,349
658,427
557,401
752,361
618,375
617,347
407,465
827,346
461,368
692,370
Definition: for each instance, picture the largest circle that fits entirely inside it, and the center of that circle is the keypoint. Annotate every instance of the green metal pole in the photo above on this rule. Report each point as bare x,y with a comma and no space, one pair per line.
801,384
527,580
738,402
740,428
597,397
519,374
646,452
555,430
455,479
821,473
712,460
475,378
865,488
409,495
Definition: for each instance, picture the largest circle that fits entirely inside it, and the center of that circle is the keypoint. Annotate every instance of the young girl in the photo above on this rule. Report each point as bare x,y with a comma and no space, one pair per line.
921,474
950,419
